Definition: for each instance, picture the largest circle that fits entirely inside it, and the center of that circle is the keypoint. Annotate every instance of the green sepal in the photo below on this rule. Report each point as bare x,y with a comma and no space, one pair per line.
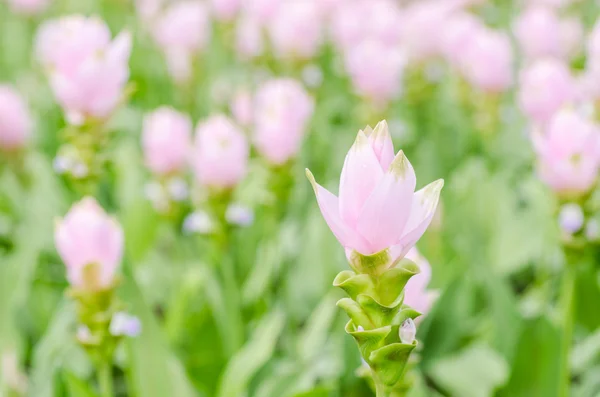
404,313
354,284
370,264
391,283
368,340
379,314
390,361
355,312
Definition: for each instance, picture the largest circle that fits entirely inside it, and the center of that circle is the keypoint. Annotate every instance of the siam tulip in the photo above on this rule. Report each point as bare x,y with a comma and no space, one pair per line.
538,32
488,61
375,78
568,152
166,139
225,10
458,32
249,40
283,109
29,7
87,71
378,218
91,245
377,212
220,155
261,10
15,120
182,31
242,108
545,87
295,19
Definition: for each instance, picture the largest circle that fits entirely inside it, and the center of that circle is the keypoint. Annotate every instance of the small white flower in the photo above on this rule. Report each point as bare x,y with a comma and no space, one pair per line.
123,324
178,189
239,215
571,218
83,335
408,331
62,164
79,170
198,222
312,75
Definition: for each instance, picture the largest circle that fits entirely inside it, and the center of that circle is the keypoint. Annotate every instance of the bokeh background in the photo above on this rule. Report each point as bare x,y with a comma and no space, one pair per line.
259,319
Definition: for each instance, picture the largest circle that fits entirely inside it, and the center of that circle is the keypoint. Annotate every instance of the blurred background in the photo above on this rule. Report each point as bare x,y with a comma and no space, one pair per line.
192,122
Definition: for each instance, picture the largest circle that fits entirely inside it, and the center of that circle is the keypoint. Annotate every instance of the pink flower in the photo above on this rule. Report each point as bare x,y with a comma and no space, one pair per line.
15,120
375,77
458,33
571,37
261,10
249,37
225,10
420,31
282,111
545,87
296,30
220,157
166,140
86,237
242,108
487,62
28,7
538,32
568,153
416,294
593,46
378,211
87,71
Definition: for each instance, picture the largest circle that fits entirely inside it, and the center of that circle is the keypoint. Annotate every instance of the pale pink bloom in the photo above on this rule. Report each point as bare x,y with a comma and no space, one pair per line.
87,71
593,46
225,10
538,32
568,153
249,37
378,210
148,9
375,70
488,61
571,37
28,7
458,32
15,119
88,236
587,84
282,111
416,294
545,86
166,139
296,30
242,108
261,10
221,151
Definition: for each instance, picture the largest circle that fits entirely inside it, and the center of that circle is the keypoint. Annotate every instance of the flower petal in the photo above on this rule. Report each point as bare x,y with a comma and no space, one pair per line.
360,175
329,205
387,210
381,142
422,211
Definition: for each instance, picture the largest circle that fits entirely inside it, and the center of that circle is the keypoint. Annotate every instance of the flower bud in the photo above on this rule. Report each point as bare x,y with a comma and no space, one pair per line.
123,324
408,332
241,107
15,119
239,215
221,151
538,32
166,138
545,86
571,218
90,244
283,109
87,71
198,222
458,33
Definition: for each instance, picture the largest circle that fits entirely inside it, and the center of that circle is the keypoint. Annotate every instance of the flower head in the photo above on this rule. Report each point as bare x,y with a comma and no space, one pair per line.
15,119
378,210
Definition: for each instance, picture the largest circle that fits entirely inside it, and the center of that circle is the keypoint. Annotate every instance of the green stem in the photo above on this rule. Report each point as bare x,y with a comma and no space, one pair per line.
105,378
567,301
380,388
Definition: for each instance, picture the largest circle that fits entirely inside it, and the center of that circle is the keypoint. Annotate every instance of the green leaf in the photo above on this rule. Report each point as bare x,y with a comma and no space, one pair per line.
314,335
253,355
476,371
390,361
77,387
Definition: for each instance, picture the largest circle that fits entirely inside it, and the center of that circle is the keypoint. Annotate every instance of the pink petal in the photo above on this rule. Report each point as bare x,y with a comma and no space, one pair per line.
360,175
387,210
382,144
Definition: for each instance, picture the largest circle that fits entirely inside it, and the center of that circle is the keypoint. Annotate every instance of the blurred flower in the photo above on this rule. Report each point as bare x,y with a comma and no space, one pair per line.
378,211
592,230
416,294
568,153
571,218
571,36
239,215
91,245
241,107
198,222
593,47
84,335
178,189
488,59
166,140
408,331
545,86
123,324
249,37
155,193
15,119
537,30
282,111
312,75
225,10
182,31
28,7
148,9
420,30
220,156
458,32
261,10
375,77
296,29
87,71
